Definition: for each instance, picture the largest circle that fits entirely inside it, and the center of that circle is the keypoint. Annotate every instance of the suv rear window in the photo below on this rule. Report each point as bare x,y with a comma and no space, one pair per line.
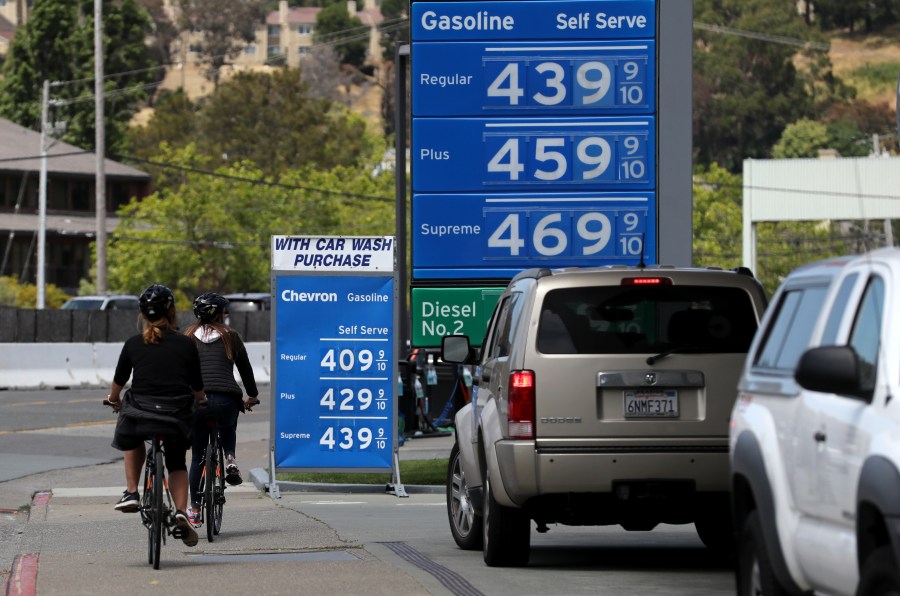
638,320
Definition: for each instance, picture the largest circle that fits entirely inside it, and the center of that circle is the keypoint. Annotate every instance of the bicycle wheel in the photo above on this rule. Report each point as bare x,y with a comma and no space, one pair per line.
219,489
157,512
209,491
147,506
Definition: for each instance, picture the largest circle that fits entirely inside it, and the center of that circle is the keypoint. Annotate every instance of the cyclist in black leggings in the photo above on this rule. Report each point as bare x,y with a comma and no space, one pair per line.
221,349
164,367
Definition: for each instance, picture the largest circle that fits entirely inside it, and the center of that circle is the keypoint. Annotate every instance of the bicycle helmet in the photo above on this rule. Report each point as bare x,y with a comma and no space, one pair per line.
156,301
208,306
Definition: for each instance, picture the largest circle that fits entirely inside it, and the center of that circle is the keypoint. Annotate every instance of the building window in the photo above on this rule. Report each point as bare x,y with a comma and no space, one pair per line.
81,196
274,30
250,50
303,50
273,51
56,195
305,29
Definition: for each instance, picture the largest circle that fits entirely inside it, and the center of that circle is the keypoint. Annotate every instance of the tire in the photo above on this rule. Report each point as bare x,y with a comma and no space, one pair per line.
880,576
717,533
219,490
157,513
209,493
147,508
465,523
506,532
755,576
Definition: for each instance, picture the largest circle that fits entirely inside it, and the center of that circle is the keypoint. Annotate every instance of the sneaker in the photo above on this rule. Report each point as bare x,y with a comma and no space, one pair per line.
129,503
195,518
184,529
232,474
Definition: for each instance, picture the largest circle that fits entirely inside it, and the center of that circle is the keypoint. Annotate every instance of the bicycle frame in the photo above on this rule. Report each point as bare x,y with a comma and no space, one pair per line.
157,509
212,482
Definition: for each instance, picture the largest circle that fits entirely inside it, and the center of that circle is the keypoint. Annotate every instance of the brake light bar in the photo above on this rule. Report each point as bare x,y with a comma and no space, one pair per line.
647,281
521,411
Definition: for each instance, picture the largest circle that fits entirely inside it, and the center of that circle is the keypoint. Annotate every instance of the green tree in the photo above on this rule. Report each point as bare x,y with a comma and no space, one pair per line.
748,88
213,231
848,139
297,129
869,15
12,293
174,121
803,138
225,27
350,38
717,218
65,32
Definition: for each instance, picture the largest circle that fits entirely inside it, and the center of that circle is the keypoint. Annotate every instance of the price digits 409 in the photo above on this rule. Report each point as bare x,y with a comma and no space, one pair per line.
570,233
348,360
572,82
346,438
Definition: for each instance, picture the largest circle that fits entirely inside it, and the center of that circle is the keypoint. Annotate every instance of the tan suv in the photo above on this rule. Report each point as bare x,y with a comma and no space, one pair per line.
602,396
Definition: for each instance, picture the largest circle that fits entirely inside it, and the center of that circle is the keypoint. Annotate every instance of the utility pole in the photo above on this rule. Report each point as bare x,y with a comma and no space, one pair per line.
42,200
101,147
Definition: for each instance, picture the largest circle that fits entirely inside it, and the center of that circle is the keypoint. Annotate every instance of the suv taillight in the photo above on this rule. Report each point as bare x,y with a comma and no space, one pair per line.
520,418
647,281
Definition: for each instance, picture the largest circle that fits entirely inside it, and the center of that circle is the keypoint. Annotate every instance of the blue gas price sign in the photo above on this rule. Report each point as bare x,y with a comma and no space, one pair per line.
497,235
335,362
537,79
527,154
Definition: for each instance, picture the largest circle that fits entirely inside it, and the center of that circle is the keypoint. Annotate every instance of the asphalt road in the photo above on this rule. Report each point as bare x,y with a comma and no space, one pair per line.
326,543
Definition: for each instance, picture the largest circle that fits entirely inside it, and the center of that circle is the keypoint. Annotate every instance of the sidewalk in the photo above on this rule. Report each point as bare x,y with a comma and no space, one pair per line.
73,542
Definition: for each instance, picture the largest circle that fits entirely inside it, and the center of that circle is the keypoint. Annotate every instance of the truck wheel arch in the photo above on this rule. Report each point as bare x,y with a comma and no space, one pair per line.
748,470
878,510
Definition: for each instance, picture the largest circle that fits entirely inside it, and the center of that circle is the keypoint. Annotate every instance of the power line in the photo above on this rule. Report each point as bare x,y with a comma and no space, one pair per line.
790,41
255,181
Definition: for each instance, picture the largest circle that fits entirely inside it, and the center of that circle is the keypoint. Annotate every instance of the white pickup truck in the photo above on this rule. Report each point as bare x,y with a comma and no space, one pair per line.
815,434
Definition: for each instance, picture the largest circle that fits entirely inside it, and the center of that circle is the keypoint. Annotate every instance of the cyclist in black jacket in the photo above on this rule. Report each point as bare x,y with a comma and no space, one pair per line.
221,349
164,368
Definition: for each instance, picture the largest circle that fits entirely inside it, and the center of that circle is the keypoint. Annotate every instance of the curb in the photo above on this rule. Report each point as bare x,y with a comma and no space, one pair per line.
260,479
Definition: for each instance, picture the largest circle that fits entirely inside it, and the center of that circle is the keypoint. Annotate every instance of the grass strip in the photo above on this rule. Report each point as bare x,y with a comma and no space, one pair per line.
414,471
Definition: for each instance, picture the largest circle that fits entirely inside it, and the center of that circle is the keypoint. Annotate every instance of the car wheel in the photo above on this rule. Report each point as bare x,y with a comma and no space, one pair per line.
506,532
716,532
465,523
880,576
755,576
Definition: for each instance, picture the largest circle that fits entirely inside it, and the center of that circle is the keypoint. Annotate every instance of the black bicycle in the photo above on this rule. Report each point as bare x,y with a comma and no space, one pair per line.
212,482
157,508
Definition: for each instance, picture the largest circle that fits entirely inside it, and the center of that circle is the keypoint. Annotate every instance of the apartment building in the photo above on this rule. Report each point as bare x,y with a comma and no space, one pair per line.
284,38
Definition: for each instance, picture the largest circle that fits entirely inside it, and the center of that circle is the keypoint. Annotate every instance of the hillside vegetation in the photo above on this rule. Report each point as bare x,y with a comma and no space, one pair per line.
870,63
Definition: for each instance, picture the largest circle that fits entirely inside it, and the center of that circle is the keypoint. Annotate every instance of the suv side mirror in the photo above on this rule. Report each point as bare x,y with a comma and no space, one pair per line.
832,369
455,349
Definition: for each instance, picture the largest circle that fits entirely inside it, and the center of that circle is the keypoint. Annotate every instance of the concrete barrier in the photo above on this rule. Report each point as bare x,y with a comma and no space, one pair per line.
85,365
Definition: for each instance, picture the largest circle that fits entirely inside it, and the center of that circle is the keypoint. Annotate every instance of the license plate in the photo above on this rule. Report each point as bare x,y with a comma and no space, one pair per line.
651,404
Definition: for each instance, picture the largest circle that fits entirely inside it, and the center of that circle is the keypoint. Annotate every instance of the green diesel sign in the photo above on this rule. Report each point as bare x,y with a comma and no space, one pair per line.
437,312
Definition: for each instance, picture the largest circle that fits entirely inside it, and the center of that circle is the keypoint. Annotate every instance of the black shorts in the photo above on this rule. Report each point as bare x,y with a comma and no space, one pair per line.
175,444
